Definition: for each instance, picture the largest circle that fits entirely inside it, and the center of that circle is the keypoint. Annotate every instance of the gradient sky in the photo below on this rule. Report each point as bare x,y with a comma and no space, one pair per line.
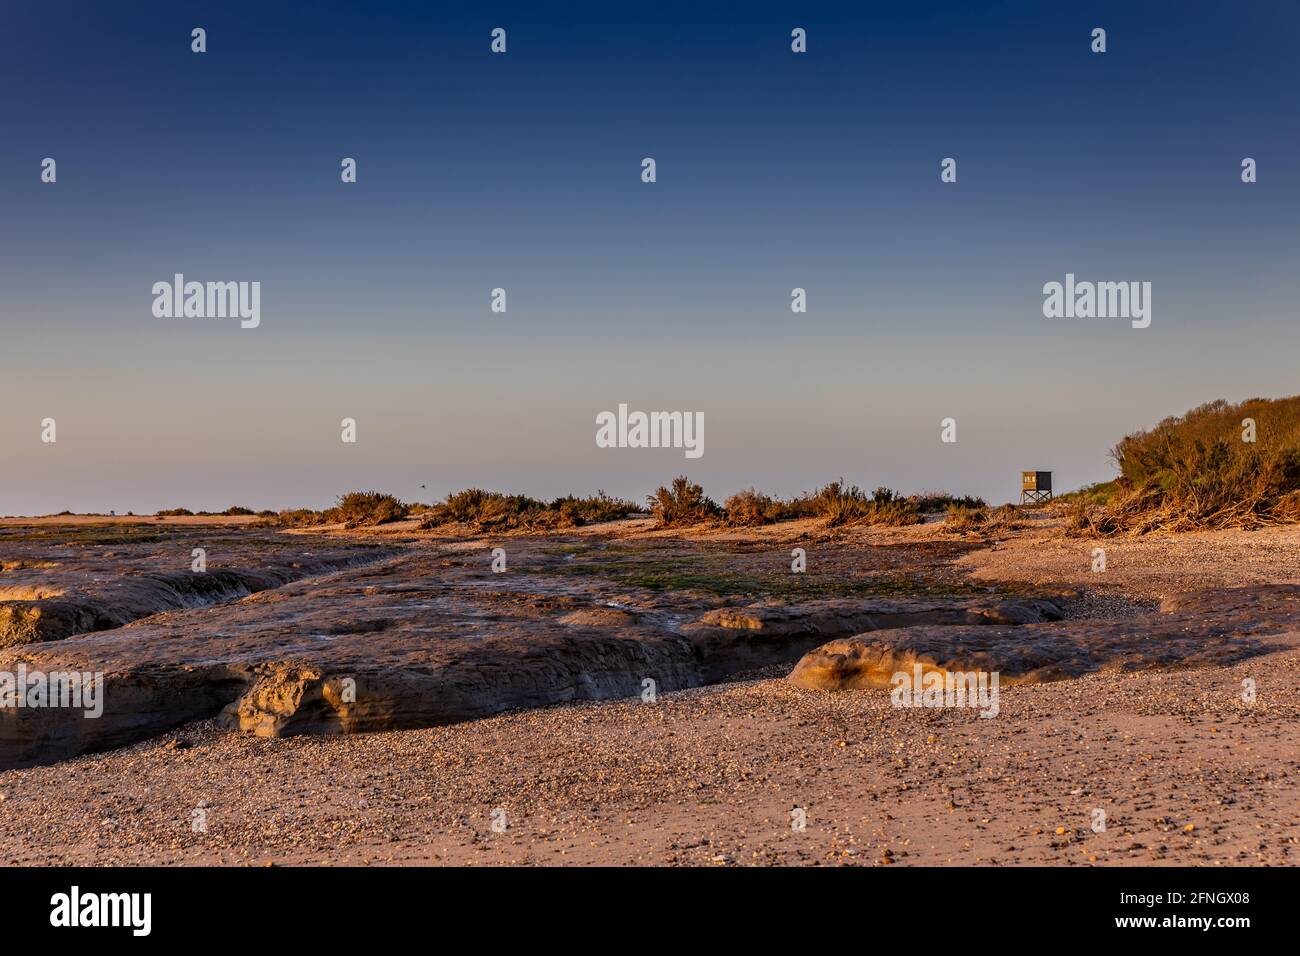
775,170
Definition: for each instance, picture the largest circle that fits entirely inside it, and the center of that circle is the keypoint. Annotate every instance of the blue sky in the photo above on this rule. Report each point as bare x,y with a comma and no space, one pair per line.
522,171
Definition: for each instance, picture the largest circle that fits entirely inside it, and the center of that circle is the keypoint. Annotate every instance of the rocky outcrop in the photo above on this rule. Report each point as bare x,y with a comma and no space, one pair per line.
95,606
136,704
433,637
420,641
729,640
1219,626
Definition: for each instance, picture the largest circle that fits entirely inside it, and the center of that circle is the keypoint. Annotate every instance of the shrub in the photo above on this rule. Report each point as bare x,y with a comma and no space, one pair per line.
488,509
1095,494
175,513
1196,471
752,507
491,509
236,510
942,501
964,519
365,508
298,518
843,505
682,504
599,507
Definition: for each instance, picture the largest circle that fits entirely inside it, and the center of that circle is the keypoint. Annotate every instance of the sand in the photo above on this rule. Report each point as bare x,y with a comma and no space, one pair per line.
1184,769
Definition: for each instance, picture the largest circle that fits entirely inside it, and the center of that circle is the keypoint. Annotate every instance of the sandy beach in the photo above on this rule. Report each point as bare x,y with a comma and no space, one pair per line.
1181,768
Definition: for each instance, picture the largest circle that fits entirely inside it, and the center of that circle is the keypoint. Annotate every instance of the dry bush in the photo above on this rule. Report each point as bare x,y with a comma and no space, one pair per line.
682,504
492,509
844,505
751,507
1196,471
597,508
1287,508
484,509
296,518
365,508
933,501
963,519
1095,494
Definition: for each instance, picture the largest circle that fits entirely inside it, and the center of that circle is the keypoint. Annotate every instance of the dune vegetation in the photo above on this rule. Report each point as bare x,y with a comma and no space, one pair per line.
1218,466
981,519
490,509
681,503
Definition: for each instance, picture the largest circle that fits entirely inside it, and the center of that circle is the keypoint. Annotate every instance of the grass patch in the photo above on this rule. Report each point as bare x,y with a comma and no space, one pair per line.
98,534
1096,495
653,570
963,519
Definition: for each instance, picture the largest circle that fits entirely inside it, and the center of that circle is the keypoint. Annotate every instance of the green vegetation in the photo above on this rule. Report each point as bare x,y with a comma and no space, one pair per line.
106,533
664,570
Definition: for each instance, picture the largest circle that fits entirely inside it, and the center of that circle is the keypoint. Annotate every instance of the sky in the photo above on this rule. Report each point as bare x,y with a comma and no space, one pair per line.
522,171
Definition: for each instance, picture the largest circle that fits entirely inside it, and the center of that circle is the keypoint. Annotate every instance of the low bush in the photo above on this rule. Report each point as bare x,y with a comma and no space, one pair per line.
751,507
1218,466
491,509
963,519
366,508
682,504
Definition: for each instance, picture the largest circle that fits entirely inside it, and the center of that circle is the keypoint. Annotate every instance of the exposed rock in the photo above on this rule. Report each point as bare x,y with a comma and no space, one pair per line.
425,641
1212,627
433,637
728,640
97,596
